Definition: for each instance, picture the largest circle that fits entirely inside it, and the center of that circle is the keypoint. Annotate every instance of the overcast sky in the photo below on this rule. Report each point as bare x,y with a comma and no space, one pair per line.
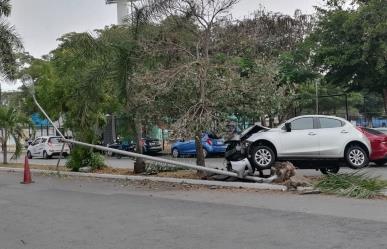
41,22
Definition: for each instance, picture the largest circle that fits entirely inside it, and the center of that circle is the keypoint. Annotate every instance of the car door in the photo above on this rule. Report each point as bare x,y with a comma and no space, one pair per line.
302,141
40,146
34,146
187,147
333,136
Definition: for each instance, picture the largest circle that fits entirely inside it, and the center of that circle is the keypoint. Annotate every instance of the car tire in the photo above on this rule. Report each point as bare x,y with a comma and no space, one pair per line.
262,157
327,171
380,163
175,153
45,155
356,157
29,155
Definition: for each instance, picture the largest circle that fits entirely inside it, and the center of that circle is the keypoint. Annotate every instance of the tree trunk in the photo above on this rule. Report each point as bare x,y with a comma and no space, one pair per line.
199,150
199,154
385,99
263,121
139,164
4,146
271,122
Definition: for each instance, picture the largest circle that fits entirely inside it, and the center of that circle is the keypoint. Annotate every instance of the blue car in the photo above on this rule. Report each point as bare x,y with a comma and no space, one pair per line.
211,145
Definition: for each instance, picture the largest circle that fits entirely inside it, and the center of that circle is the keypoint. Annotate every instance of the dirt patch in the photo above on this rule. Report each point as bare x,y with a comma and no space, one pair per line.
186,174
113,171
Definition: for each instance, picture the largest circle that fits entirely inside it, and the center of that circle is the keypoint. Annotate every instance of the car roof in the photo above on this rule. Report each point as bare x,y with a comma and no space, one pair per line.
318,116
48,137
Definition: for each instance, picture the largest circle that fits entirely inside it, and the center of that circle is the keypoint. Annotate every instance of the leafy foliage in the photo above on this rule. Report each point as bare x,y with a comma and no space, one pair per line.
12,123
10,43
83,157
356,184
263,35
349,45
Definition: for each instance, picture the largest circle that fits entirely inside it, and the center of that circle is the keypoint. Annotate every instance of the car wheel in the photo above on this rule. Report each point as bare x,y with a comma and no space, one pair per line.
327,171
356,157
29,155
380,163
175,153
45,155
263,157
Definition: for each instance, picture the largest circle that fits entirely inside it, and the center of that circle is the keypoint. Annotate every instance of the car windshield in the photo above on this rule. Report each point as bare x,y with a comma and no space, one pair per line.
54,140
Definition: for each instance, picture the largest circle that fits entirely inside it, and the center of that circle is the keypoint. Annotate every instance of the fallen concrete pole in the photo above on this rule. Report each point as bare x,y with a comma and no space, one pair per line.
151,158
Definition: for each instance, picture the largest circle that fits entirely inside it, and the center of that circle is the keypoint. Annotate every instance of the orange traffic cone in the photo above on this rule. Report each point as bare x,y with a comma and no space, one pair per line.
27,172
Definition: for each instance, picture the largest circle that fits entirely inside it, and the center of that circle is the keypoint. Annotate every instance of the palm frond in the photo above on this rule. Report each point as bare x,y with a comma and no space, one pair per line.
10,43
356,184
5,7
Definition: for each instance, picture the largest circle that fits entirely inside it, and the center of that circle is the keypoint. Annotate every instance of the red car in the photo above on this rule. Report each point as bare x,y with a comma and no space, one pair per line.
378,144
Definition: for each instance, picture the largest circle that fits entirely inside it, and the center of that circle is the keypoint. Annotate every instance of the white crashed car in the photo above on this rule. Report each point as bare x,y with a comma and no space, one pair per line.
309,139
47,147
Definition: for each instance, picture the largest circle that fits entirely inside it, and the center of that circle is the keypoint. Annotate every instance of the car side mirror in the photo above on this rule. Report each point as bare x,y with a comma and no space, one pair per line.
288,127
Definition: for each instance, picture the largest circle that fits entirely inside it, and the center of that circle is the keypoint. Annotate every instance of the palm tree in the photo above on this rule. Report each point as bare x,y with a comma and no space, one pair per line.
12,123
10,43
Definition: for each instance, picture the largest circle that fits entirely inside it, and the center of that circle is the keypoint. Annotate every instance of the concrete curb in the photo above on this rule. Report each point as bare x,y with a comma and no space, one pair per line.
260,186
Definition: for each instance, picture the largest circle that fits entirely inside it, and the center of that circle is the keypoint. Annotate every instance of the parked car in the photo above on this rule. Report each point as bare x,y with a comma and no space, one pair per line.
378,141
47,147
310,138
211,145
381,129
124,145
151,145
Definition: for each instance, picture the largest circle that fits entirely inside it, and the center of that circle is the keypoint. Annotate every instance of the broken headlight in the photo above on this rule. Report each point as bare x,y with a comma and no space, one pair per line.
245,147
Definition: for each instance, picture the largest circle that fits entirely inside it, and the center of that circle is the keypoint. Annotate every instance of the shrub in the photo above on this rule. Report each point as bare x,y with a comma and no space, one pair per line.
83,157
357,184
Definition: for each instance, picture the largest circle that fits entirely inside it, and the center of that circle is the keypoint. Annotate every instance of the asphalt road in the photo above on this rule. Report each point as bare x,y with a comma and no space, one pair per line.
214,162
94,214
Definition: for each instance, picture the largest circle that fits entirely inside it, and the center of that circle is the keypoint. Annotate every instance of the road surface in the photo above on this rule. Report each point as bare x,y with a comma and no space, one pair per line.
95,214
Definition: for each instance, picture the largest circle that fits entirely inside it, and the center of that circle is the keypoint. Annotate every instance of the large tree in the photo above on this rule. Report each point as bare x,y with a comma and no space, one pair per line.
349,45
200,75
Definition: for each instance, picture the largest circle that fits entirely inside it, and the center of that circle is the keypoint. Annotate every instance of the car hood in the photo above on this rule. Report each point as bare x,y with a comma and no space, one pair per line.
255,136
248,132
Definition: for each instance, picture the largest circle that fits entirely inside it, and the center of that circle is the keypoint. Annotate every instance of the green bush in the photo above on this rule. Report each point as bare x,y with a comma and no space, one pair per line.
83,157
357,184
